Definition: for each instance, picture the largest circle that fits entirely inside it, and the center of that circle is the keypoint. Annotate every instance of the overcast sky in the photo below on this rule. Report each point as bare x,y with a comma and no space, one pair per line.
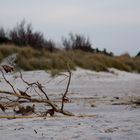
110,24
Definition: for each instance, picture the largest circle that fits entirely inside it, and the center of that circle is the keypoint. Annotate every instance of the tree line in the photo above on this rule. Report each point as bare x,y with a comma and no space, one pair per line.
23,35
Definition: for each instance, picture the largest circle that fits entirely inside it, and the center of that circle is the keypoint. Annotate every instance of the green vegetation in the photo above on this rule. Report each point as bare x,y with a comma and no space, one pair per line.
43,54
33,59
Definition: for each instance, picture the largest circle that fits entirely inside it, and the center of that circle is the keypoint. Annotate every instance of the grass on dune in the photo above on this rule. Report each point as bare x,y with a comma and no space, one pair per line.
35,59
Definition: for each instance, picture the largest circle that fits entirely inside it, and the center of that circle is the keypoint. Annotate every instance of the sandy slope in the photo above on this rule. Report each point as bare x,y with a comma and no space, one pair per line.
93,95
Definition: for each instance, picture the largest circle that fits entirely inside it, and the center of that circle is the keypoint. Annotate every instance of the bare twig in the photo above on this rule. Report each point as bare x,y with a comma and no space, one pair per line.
7,98
37,84
38,93
41,89
67,88
8,82
62,80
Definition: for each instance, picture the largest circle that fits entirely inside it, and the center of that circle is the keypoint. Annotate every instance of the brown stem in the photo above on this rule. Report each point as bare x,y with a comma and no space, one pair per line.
67,88
40,88
8,82
55,107
37,84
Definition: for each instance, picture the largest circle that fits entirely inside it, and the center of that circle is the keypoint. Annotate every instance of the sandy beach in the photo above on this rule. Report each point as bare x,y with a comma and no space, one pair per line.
99,100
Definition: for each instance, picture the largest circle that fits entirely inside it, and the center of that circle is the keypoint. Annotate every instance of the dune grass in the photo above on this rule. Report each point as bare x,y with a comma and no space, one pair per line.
32,59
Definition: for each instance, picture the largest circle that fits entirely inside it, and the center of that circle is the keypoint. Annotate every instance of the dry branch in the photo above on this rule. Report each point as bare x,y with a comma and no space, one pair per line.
66,91
36,84
23,95
8,82
35,100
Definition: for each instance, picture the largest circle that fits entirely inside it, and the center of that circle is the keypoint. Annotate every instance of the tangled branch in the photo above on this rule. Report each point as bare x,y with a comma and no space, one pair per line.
23,96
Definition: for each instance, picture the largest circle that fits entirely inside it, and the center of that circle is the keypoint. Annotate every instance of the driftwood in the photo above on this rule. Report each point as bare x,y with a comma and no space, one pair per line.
15,98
